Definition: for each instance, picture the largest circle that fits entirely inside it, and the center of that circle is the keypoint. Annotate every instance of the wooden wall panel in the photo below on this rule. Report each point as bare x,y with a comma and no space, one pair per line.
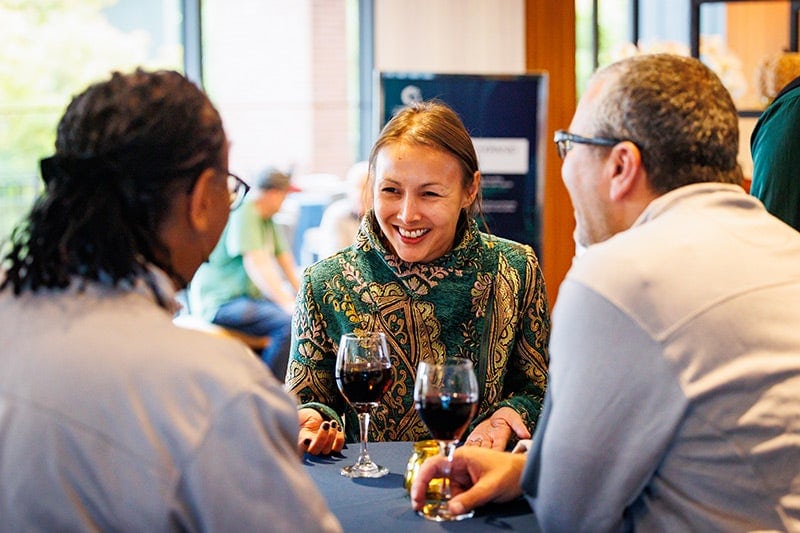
550,46
755,31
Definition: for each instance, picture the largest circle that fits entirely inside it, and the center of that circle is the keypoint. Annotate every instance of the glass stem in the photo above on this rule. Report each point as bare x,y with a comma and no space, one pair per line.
447,448
363,429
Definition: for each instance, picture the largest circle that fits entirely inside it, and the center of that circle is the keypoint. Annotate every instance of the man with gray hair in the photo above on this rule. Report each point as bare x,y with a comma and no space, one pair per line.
674,397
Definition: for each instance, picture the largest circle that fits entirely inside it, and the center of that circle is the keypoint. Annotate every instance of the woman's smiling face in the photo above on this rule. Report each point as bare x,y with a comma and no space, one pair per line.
418,195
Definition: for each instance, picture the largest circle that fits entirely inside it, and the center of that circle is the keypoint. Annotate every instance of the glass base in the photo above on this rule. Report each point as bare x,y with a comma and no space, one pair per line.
369,469
439,512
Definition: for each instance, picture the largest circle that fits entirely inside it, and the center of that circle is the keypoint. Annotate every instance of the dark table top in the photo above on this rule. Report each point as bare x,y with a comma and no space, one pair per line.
383,505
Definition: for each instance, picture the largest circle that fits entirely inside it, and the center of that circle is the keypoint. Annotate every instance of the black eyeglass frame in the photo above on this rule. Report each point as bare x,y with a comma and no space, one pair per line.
565,140
238,189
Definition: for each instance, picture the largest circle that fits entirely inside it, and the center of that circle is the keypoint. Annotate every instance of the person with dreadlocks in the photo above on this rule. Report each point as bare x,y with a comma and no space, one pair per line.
111,417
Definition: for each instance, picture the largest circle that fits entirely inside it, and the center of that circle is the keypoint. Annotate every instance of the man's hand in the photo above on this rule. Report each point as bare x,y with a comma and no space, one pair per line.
477,477
318,436
495,432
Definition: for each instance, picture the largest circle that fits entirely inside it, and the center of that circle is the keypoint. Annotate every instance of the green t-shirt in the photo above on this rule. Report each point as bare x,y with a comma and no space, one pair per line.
223,277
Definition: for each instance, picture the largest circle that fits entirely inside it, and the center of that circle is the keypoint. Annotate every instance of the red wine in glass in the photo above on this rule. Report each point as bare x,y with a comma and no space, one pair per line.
363,374
364,385
446,398
447,417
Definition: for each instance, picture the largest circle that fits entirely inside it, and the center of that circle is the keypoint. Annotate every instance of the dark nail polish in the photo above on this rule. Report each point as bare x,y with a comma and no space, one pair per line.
334,424
326,426
307,442
339,429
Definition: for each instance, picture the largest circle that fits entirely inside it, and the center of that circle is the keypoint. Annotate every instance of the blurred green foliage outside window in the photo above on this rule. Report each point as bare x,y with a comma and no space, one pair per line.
49,51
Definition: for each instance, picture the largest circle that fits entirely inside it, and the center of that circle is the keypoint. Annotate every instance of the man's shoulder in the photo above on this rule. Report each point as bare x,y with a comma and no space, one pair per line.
635,271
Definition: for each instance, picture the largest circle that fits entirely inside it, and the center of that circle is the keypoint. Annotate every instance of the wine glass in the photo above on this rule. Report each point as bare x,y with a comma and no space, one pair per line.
446,398
363,374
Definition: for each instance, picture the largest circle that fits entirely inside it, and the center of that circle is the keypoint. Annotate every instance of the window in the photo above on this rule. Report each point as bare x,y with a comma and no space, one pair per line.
607,30
281,74
52,49
759,30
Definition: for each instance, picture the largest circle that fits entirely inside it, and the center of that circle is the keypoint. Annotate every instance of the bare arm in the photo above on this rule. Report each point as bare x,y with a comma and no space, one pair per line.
289,266
262,268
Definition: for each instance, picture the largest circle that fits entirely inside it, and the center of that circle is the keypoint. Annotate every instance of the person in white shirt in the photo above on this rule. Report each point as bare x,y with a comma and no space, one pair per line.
111,417
249,282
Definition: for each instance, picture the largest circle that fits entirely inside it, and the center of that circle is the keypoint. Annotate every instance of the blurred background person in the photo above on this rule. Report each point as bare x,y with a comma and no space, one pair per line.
340,220
113,418
250,280
423,273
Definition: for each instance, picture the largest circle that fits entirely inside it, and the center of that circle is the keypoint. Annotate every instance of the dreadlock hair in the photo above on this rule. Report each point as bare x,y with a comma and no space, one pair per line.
125,148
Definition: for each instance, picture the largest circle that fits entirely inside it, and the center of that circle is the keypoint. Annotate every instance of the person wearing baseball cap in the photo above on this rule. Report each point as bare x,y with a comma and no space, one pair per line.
250,280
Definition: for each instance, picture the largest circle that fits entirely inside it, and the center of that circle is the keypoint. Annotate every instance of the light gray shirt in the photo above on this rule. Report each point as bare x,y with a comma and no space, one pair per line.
112,418
674,394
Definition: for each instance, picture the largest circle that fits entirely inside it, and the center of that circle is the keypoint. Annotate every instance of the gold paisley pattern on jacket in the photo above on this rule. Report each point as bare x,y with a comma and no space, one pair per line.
484,300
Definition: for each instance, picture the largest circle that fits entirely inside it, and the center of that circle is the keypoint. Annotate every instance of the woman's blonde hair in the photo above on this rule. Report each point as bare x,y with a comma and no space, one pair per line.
434,124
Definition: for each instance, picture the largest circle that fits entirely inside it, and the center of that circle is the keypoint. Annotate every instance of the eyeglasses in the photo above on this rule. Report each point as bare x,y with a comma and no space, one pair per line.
565,141
237,189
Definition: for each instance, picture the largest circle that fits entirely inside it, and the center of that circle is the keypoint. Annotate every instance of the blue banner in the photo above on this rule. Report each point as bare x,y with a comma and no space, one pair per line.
505,118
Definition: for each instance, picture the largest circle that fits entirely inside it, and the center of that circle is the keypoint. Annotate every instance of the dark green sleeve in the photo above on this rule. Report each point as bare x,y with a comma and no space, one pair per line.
775,146
312,357
526,378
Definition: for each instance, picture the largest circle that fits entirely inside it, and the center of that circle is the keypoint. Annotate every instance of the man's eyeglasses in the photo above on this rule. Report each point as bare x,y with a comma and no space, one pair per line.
237,189
565,141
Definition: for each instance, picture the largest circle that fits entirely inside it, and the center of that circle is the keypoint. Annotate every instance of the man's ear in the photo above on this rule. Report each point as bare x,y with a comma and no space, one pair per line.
201,201
626,160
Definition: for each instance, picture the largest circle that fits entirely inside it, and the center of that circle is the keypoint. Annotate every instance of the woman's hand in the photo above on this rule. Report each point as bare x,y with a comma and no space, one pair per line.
318,436
495,432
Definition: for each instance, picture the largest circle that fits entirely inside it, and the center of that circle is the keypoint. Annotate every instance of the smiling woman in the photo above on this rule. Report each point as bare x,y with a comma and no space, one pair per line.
422,272
418,197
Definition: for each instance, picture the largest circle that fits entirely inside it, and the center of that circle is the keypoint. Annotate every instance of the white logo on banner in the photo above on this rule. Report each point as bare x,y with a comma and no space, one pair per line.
411,94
